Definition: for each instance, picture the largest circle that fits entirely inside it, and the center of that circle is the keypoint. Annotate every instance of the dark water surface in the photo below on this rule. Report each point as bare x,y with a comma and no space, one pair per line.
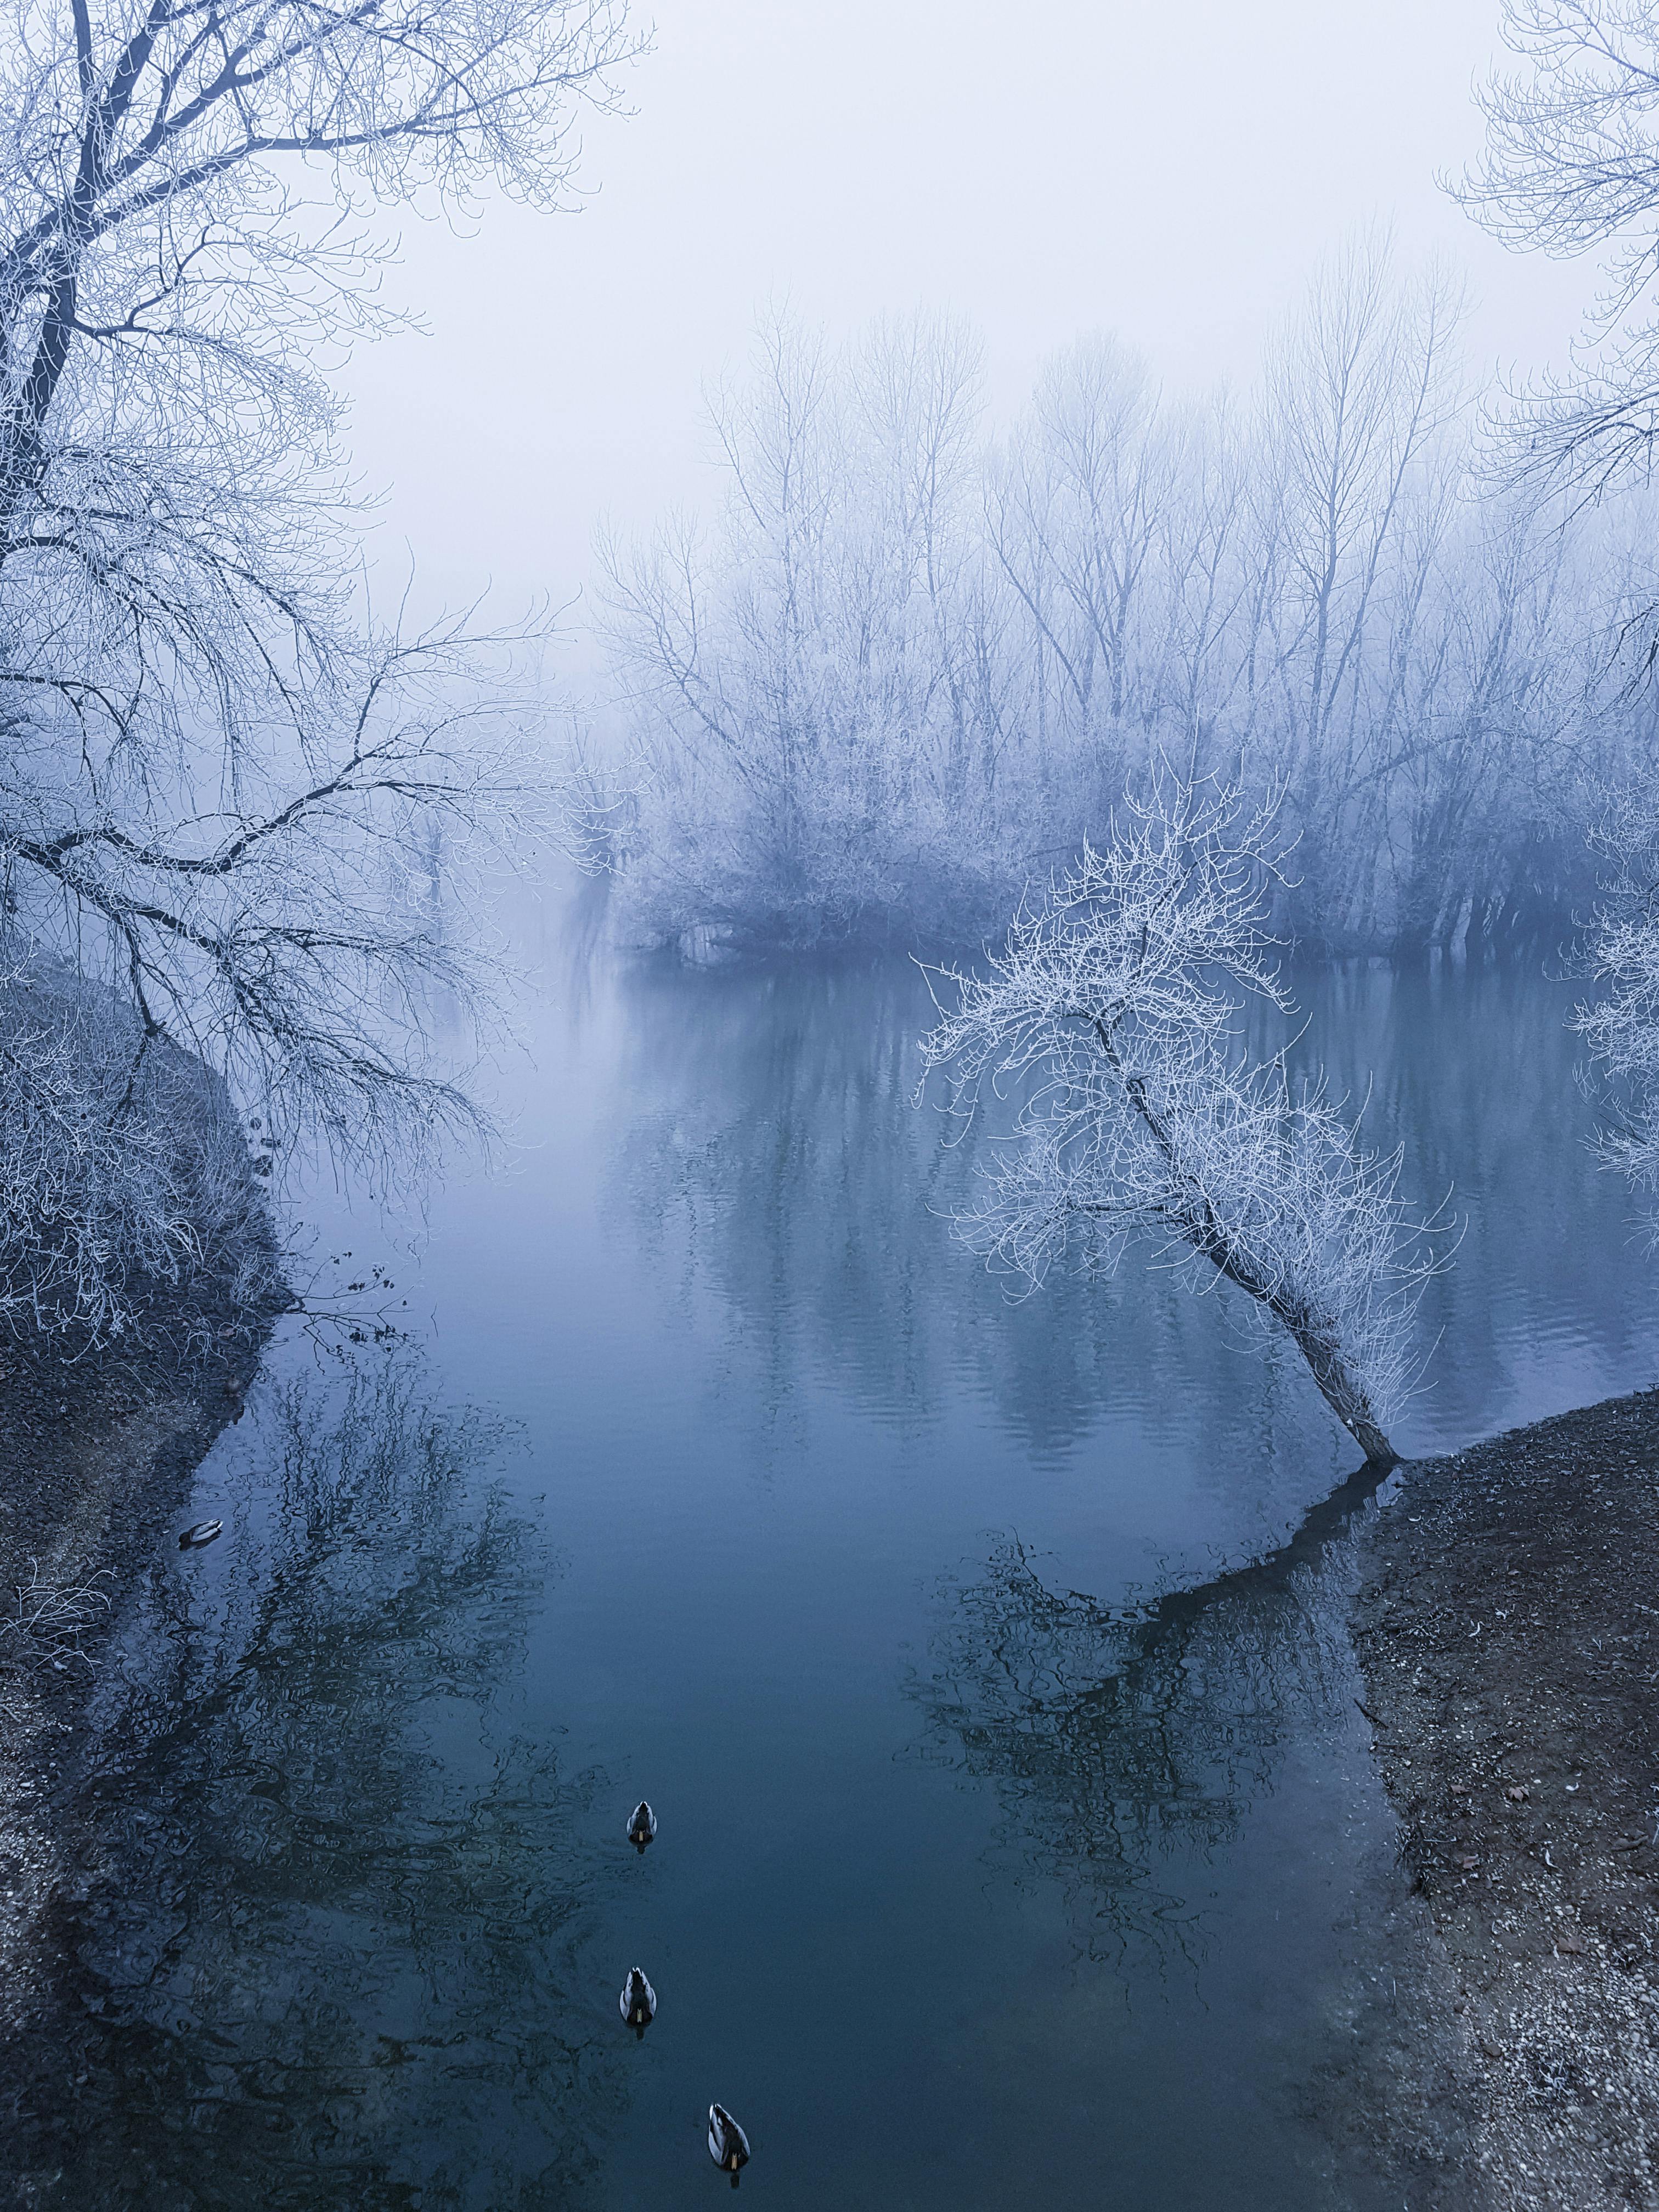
722,1477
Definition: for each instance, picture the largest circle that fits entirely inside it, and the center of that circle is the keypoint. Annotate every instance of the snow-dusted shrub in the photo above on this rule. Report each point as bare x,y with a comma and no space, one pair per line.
125,1175
1621,1025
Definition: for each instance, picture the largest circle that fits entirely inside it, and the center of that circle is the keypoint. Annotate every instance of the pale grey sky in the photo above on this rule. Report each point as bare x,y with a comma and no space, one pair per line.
1172,174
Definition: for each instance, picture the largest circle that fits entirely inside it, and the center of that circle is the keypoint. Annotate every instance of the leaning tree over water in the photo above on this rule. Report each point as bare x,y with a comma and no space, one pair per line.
1112,1009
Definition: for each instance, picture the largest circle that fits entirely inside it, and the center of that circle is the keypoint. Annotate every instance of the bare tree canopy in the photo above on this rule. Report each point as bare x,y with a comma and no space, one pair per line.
179,191
1571,164
914,661
1111,1012
225,791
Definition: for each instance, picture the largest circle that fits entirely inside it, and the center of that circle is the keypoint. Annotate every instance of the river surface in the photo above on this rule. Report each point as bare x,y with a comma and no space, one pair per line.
709,1469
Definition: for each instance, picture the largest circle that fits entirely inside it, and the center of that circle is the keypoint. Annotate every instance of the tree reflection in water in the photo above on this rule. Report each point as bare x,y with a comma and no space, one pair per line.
329,1946
1123,1741
775,1158
783,1176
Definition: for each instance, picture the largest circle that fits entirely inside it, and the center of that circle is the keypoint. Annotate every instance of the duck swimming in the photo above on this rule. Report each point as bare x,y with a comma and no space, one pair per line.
638,2002
728,2146
641,1825
199,1532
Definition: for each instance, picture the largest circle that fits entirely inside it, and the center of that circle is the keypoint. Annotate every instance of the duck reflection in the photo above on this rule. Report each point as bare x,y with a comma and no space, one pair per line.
326,1945
1124,1742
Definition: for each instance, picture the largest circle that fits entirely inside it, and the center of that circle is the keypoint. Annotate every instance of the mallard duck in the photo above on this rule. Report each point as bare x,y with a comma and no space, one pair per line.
641,1825
728,2146
638,2002
199,1532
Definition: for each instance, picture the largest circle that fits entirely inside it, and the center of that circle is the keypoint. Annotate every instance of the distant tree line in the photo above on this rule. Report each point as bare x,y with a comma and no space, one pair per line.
912,665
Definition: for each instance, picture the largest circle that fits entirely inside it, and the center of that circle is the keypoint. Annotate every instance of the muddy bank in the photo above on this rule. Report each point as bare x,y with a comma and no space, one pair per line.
98,1457
1507,1622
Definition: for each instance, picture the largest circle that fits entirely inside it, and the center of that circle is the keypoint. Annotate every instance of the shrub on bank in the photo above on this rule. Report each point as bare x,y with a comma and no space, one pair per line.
127,1181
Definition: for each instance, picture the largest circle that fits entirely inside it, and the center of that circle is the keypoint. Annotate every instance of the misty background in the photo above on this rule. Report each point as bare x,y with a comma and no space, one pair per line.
1174,177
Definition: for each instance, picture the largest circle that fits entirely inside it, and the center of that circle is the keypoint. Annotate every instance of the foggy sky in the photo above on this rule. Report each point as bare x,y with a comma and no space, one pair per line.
1044,168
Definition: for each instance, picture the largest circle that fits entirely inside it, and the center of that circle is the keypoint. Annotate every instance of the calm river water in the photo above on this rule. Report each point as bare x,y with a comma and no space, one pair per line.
713,1472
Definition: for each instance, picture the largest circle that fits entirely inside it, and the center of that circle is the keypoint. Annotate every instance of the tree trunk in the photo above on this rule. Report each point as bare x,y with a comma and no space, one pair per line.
1342,1394
1194,1217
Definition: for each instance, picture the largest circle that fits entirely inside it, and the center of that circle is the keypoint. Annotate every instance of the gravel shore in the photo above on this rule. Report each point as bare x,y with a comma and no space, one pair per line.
1507,1622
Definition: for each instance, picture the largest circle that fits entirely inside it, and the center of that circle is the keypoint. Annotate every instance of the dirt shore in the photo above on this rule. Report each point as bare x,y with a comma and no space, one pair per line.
98,1457
1507,1622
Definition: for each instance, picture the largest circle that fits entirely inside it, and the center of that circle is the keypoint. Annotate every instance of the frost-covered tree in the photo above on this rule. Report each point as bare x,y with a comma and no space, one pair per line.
912,663
1571,165
227,798
815,693
1112,1011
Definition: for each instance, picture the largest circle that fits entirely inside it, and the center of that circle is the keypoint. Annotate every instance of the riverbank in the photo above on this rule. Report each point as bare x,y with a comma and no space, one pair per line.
99,1455
1507,1622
